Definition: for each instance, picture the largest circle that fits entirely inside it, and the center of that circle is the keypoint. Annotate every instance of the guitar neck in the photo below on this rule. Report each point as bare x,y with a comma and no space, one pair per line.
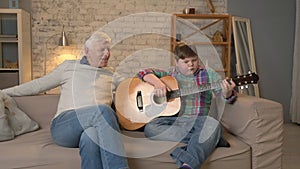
193,90
241,80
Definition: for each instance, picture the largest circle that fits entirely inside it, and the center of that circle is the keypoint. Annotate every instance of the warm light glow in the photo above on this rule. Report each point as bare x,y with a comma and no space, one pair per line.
67,57
62,58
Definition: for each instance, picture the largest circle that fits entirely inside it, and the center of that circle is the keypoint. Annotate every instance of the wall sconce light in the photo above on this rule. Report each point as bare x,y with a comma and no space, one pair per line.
63,41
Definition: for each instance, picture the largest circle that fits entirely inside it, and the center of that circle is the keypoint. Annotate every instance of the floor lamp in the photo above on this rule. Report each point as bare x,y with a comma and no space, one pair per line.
63,41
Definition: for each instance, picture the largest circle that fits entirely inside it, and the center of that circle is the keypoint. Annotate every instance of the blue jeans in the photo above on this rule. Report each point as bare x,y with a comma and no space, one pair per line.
95,130
200,134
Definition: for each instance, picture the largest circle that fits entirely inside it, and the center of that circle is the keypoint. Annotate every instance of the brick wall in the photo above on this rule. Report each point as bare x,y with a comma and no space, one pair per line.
140,29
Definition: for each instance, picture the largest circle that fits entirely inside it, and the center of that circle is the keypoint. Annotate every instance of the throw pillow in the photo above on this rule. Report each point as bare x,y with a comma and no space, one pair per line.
17,119
6,133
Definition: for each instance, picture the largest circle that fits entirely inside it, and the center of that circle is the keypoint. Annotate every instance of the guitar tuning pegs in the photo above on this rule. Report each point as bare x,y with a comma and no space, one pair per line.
246,86
242,87
249,72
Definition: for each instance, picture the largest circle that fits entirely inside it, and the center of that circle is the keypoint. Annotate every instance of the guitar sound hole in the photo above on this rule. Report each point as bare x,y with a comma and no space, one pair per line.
159,100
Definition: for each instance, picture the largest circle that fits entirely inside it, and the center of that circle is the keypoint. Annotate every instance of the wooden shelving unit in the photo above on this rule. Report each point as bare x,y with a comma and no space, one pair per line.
15,47
191,25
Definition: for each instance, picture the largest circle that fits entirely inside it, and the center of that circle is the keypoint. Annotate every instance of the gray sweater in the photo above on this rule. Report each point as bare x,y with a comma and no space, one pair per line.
80,85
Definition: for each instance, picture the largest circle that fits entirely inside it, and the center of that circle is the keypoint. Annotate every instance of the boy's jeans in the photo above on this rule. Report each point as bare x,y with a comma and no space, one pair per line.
201,135
95,131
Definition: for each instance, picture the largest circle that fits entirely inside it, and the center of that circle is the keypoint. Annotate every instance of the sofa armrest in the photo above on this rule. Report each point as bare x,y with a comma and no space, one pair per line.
259,123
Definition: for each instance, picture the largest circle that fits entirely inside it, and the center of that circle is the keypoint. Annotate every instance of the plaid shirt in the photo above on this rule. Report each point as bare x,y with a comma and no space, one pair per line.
191,104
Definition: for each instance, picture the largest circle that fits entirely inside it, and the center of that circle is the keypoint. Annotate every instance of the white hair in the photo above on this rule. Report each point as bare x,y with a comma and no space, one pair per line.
97,37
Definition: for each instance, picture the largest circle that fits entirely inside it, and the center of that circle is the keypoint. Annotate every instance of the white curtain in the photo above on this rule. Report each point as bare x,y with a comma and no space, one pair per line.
295,100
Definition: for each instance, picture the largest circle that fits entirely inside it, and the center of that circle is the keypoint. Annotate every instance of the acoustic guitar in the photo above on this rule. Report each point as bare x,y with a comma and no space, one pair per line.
136,105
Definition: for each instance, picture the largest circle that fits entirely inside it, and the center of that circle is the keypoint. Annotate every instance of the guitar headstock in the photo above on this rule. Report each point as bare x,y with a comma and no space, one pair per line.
250,78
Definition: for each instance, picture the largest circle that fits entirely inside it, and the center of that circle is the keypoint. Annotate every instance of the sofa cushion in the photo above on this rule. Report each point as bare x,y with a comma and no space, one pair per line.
40,108
36,149
13,121
147,154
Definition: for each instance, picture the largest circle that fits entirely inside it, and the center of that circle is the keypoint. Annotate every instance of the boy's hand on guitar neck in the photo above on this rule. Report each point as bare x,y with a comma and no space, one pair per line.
227,87
160,88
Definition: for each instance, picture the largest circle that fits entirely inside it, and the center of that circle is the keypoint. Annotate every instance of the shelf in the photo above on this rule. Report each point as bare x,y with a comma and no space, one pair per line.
207,43
8,36
9,69
202,16
8,40
15,47
201,29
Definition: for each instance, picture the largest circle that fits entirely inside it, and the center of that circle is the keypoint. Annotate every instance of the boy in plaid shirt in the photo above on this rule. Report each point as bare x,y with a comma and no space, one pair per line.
192,125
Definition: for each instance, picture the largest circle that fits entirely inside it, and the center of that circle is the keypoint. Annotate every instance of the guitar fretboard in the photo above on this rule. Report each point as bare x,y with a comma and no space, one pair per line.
202,88
193,90
250,78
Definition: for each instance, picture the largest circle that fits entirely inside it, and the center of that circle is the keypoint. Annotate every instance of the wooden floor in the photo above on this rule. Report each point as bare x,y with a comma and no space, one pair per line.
291,146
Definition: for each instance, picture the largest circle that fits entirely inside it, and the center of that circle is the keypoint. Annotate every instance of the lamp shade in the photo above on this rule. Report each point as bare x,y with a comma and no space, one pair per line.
63,41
